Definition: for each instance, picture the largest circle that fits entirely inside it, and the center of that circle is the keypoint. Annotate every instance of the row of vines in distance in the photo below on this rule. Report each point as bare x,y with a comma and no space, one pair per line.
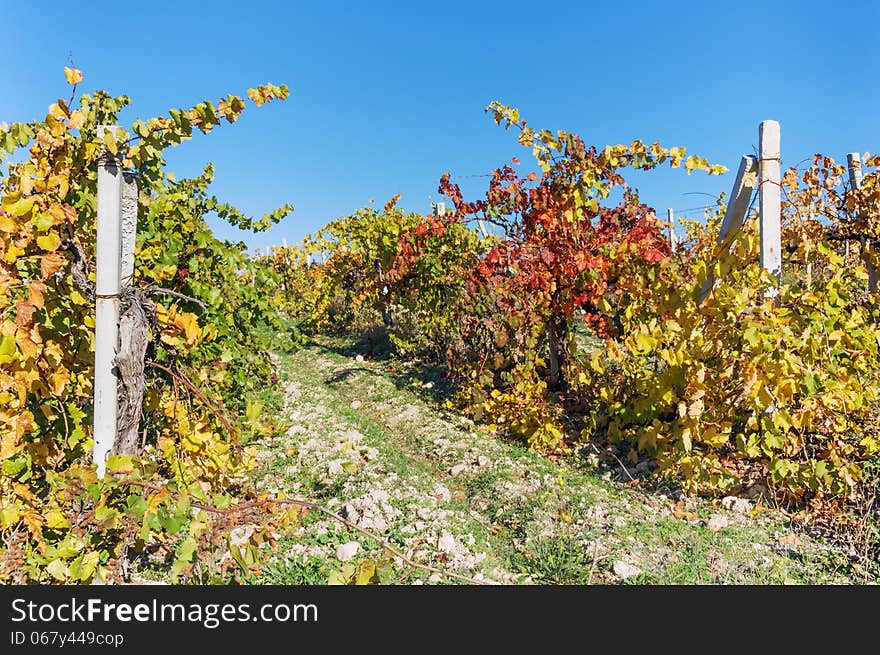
573,321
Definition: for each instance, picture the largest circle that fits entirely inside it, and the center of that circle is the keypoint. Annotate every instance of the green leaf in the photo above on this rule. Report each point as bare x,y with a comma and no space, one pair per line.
58,570
170,523
43,222
107,517
366,571
120,464
7,349
14,465
253,410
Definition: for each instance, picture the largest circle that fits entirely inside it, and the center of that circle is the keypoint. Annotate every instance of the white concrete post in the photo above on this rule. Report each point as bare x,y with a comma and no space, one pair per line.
854,164
129,228
771,200
286,263
670,219
107,263
737,206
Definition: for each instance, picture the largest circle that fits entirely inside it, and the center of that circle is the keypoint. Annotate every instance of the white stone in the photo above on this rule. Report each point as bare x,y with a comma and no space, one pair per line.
447,543
458,469
346,552
442,493
623,570
718,522
734,504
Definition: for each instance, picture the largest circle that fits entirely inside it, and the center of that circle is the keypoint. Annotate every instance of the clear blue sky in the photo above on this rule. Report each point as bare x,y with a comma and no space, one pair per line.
386,96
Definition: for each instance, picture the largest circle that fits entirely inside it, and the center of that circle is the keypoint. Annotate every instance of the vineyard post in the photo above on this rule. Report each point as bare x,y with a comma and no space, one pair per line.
286,267
129,213
107,262
854,164
771,202
670,217
737,206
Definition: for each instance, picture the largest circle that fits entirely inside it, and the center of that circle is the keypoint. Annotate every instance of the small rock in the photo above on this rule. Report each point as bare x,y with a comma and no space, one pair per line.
359,358
482,460
447,543
441,493
346,552
457,470
644,467
428,385
623,570
355,404
734,504
717,522
335,467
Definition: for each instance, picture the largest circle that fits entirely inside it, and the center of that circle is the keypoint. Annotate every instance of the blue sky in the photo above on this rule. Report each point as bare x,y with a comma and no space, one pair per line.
387,96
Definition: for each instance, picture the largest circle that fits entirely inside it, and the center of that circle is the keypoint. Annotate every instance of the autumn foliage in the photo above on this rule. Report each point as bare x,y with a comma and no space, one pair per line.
59,522
572,320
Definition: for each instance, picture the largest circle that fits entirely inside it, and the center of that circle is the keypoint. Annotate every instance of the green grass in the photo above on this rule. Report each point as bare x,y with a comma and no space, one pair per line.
558,560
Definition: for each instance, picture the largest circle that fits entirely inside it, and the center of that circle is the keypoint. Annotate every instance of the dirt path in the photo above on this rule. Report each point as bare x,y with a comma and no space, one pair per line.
370,443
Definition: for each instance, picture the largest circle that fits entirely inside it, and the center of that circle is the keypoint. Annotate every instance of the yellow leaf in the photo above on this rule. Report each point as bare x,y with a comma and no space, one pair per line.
56,520
119,464
8,224
77,119
22,207
73,76
49,241
686,439
8,516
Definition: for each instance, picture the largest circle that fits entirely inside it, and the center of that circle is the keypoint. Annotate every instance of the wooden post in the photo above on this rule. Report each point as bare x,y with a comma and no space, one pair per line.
771,201
670,219
737,206
107,258
854,164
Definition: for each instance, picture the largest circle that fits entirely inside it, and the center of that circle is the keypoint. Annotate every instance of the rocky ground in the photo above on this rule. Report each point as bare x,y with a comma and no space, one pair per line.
368,440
